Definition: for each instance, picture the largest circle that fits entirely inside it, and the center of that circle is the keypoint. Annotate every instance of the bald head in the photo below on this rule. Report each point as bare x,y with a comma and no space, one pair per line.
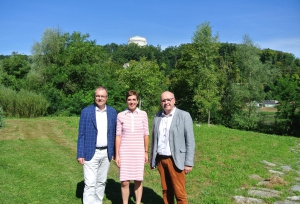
167,100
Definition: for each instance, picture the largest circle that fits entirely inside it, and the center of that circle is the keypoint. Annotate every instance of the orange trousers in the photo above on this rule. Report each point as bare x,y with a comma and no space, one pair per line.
172,180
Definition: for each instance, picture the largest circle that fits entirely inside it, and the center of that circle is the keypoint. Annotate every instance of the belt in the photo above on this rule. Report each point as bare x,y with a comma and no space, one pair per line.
101,148
163,156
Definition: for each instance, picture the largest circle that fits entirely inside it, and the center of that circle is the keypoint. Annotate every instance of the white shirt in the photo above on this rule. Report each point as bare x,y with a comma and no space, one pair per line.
164,129
101,119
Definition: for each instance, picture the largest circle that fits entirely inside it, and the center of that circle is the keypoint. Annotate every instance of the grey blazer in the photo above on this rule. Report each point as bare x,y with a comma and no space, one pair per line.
181,136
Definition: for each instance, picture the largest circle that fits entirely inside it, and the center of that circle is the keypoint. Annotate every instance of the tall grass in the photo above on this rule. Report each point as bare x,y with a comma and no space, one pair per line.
38,164
2,118
23,104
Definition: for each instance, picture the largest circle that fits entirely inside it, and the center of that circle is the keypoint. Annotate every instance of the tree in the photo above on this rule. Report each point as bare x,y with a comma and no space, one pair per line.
66,67
252,77
205,56
122,54
170,57
182,80
14,70
145,78
287,91
195,80
229,74
48,51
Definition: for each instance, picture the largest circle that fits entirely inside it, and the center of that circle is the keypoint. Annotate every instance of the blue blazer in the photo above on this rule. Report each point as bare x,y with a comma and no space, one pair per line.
87,133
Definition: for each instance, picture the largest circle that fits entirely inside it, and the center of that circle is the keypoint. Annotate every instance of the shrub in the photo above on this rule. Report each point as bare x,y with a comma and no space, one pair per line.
7,98
22,104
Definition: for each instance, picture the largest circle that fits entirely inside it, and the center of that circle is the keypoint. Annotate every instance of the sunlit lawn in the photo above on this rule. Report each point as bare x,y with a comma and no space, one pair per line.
38,164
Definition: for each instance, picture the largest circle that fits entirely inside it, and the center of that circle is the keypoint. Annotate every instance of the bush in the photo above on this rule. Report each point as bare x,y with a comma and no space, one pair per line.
22,104
7,98
248,119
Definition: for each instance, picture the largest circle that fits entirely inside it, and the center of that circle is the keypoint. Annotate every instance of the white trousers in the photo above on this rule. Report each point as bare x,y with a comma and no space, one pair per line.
95,175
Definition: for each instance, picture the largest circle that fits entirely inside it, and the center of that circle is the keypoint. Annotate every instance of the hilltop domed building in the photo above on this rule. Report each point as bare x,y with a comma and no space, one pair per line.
138,40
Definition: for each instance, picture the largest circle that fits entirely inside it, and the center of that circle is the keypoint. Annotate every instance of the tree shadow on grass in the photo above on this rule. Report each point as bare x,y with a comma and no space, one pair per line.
113,193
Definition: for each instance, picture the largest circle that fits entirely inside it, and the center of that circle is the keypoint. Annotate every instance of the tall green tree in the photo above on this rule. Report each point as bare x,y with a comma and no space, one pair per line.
205,55
195,80
229,74
48,51
182,80
144,77
249,86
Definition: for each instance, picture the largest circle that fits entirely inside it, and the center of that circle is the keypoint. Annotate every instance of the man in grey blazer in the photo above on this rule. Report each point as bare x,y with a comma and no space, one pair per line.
173,147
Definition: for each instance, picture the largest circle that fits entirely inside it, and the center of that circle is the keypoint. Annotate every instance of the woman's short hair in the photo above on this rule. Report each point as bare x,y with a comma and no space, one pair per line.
132,93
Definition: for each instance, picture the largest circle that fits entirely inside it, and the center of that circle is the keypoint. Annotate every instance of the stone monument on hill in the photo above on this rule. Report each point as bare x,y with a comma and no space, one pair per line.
138,40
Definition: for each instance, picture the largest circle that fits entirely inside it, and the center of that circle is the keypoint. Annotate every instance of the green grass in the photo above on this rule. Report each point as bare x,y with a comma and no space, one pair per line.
38,164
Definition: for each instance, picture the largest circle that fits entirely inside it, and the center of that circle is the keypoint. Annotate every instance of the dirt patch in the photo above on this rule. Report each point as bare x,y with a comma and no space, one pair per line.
273,181
268,109
277,180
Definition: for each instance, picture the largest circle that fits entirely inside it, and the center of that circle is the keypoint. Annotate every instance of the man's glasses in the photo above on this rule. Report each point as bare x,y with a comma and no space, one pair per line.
99,96
167,100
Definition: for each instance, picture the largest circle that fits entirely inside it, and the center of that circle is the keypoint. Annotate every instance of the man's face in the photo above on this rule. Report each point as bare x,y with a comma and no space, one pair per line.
100,98
167,101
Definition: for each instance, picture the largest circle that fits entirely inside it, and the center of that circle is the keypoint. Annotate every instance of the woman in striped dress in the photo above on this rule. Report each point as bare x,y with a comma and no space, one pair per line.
132,146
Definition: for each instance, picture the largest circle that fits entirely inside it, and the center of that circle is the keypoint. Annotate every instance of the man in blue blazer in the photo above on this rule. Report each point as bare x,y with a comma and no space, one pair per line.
96,145
173,147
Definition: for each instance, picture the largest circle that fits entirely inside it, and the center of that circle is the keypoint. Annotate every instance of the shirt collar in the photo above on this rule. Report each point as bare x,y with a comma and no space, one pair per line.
137,110
98,109
170,115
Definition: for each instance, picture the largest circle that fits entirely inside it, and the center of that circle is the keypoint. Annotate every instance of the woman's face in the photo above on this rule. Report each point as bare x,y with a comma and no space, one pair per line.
132,103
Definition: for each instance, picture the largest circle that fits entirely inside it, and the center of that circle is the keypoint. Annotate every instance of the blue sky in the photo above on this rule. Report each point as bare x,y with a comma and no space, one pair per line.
273,24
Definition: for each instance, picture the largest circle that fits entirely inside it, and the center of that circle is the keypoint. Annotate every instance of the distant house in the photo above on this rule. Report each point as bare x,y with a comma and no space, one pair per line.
270,103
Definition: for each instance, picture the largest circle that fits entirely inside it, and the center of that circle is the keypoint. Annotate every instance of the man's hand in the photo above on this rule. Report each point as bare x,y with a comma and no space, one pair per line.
80,161
187,169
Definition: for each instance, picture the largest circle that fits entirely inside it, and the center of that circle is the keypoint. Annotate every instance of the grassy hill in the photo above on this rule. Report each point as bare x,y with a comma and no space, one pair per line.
38,164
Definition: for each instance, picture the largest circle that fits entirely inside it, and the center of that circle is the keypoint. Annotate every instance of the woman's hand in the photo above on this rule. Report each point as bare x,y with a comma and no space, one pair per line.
146,157
117,159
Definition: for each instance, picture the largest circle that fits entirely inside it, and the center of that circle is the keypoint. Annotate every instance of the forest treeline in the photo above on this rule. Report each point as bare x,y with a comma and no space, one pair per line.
219,83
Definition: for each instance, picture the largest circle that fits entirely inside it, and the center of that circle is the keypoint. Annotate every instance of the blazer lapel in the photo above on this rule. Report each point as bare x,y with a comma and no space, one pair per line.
174,123
157,123
108,117
93,115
